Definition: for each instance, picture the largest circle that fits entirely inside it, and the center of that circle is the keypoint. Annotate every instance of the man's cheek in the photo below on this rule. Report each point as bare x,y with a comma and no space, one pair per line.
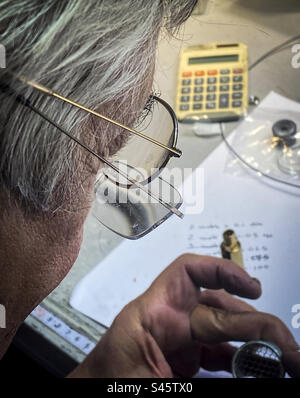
66,255
72,251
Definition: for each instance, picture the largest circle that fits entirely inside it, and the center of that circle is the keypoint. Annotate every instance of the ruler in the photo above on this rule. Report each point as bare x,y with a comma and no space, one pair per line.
78,340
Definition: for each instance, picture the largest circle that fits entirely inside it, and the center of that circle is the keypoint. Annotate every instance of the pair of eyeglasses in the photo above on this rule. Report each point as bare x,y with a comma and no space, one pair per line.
130,196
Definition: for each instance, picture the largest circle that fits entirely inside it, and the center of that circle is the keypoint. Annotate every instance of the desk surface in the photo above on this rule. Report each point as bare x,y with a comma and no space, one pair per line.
261,25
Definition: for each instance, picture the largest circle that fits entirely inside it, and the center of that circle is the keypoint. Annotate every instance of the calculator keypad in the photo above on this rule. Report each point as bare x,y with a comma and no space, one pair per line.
198,98
185,90
210,105
212,89
225,79
237,95
237,78
237,87
211,97
184,107
197,106
185,98
199,81
224,87
224,101
237,104
186,82
212,80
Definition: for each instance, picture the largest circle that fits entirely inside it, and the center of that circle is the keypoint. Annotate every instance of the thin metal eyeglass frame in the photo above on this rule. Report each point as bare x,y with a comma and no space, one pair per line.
176,152
159,169
26,102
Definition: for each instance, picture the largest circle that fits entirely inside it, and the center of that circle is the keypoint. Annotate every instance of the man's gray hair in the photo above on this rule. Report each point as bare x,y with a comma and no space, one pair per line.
98,53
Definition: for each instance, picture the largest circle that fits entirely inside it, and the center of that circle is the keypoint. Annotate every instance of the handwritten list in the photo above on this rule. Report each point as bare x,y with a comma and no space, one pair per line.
254,237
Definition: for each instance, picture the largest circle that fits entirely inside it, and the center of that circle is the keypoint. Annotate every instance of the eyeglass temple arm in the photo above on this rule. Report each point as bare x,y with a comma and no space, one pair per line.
176,152
24,101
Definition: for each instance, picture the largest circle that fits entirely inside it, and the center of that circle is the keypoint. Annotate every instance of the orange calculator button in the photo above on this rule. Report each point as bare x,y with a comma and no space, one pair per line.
186,74
212,72
199,73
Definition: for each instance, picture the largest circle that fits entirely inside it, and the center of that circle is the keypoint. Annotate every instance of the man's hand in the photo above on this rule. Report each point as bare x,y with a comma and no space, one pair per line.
173,329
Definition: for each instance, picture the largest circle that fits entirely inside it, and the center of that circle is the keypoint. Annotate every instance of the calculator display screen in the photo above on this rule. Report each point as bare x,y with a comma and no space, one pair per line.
214,59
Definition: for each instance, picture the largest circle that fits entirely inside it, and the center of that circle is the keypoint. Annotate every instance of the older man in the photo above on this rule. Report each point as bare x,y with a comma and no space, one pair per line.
101,54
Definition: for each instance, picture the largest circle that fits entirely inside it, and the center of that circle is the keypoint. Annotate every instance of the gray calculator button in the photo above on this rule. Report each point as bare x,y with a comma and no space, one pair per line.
185,90
224,87
237,95
186,82
224,101
198,90
211,97
237,104
237,78
225,71
199,81
198,97
197,106
211,89
184,107
211,80
211,105
185,98
224,79
237,87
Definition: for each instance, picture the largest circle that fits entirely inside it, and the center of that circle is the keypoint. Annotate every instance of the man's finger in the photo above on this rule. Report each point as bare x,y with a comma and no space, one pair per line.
291,362
219,273
223,300
215,357
211,326
187,360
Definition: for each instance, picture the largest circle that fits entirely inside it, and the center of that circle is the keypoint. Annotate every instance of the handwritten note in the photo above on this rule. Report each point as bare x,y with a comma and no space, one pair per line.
254,238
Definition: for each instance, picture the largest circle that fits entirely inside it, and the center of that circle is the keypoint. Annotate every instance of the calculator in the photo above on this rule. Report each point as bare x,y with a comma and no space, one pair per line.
212,83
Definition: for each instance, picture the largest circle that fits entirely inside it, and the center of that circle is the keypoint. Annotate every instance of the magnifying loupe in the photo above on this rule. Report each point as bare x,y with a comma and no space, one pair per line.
258,359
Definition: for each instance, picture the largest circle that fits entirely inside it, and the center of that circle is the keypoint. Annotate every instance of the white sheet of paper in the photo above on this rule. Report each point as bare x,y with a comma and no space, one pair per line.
265,216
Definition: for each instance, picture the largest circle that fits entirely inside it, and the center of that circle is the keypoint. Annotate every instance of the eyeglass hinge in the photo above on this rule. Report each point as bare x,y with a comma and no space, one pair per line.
178,153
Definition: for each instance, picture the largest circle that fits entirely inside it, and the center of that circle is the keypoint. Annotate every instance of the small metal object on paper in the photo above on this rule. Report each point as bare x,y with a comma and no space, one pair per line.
258,359
231,248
